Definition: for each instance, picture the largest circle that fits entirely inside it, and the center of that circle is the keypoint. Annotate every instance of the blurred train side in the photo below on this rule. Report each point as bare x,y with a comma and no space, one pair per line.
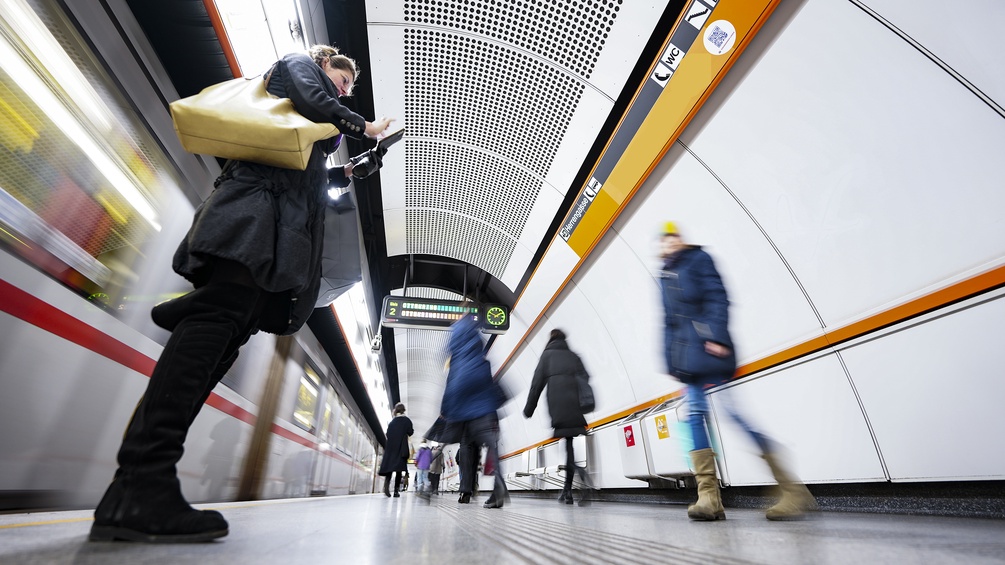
81,263
63,407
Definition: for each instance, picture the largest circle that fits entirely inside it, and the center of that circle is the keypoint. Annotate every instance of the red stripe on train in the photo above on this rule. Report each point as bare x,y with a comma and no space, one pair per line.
25,306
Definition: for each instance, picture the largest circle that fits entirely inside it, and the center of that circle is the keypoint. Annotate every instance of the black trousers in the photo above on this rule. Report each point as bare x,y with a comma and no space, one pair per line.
481,431
570,463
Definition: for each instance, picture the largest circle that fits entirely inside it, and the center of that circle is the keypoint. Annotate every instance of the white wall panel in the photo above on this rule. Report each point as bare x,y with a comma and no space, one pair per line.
622,290
955,33
934,393
554,268
590,337
394,231
874,172
504,344
811,410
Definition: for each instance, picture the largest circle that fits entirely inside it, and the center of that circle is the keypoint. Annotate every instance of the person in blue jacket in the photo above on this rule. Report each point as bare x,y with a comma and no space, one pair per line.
471,399
699,353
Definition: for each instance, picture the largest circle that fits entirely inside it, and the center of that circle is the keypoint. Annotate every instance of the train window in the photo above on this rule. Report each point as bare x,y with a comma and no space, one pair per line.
305,411
351,436
342,438
86,194
369,457
328,415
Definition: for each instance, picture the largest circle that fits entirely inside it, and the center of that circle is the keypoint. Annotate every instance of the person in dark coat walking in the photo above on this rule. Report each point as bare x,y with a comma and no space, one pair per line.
254,255
396,451
558,370
699,353
471,399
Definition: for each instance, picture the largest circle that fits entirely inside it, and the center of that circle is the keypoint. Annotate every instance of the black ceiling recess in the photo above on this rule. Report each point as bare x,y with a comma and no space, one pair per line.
182,34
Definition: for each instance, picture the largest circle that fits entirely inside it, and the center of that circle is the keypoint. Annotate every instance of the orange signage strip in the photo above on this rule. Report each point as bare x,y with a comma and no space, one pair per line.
702,48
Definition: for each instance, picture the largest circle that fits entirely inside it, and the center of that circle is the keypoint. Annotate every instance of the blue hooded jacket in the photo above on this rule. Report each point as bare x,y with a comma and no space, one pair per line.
469,392
697,310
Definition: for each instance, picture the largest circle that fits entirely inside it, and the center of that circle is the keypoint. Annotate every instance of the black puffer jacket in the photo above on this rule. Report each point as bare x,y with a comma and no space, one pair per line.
557,370
269,219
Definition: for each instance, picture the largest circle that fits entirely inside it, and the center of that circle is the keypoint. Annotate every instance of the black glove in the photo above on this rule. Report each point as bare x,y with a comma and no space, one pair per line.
368,162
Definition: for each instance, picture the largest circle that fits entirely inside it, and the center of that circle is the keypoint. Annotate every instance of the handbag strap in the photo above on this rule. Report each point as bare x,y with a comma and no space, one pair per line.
268,76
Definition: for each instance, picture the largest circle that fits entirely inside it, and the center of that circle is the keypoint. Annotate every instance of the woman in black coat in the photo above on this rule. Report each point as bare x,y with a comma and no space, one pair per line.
557,370
396,451
254,255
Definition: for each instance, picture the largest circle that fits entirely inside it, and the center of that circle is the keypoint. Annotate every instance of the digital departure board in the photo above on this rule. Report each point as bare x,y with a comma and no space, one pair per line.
431,314
424,313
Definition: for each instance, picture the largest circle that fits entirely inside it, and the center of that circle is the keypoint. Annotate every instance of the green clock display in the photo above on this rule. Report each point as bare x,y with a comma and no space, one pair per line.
495,319
495,316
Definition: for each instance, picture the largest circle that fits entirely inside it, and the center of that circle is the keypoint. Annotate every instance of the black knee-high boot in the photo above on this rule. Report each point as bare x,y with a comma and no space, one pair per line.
144,501
387,485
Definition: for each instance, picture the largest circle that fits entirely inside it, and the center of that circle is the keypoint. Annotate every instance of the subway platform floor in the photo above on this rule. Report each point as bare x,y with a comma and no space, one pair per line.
408,530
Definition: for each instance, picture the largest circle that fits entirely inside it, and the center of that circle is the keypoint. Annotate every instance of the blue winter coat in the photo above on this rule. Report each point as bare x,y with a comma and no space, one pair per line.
696,307
469,392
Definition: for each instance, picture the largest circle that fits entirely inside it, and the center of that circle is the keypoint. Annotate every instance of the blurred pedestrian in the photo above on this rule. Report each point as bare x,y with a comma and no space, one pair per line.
560,371
699,353
253,254
472,398
396,451
435,468
423,457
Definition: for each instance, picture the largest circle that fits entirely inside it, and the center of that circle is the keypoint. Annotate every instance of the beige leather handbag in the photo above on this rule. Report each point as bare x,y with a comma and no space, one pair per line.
239,119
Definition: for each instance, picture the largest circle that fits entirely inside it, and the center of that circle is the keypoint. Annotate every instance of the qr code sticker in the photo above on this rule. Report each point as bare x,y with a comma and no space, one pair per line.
717,36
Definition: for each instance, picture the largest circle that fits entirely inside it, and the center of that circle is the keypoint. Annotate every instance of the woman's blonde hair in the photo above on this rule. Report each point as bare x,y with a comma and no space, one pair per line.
320,53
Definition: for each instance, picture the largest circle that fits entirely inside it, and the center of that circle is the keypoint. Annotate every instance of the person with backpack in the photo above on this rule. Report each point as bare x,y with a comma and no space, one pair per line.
562,372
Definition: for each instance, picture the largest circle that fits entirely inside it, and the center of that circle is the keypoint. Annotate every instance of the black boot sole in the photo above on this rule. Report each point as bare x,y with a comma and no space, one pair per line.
115,533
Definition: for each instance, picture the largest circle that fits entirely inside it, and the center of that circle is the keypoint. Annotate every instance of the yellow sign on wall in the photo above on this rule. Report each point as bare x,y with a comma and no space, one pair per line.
661,426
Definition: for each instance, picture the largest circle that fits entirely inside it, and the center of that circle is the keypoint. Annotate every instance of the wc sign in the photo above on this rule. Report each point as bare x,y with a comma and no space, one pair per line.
629,436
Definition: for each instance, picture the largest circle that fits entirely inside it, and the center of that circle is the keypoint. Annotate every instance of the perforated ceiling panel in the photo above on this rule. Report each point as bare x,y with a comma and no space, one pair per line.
436,232
485,122
569,32
480,93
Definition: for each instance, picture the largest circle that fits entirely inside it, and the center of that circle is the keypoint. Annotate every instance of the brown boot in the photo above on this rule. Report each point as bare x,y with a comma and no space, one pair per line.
796,499
709,505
